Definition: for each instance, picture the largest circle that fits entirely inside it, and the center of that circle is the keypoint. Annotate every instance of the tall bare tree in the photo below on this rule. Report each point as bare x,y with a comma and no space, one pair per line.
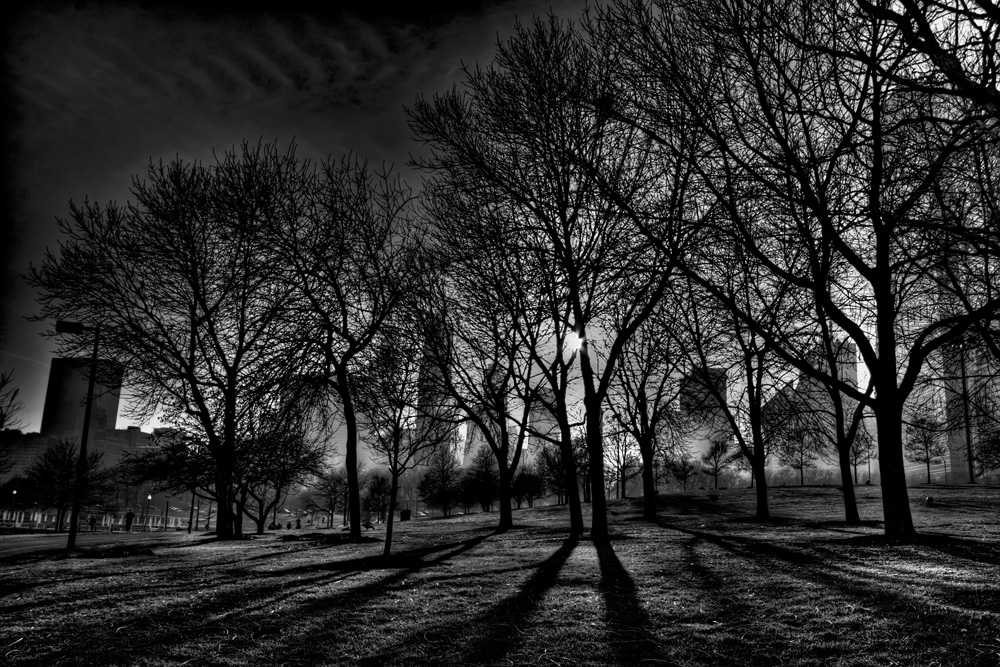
350,258
644,394
520,133
402,431
187,293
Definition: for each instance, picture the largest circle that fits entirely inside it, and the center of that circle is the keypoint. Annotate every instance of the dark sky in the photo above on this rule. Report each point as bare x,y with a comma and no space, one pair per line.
96,90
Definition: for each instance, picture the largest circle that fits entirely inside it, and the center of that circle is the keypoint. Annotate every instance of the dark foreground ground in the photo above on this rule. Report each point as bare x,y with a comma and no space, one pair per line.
706,585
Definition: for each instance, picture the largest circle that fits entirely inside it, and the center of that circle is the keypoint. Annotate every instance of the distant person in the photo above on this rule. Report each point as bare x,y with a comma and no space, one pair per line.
129,518
93,523
298,524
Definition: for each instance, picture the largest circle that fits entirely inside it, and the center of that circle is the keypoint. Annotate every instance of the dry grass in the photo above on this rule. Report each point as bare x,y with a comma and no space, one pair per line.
706,585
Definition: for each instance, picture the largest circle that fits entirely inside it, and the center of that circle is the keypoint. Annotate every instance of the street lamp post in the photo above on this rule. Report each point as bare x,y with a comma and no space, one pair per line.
81,464
145,526
13,506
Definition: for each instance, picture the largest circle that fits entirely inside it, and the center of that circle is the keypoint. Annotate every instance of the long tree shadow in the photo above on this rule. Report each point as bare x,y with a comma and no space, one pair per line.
503,637
497,630
628,623
197,616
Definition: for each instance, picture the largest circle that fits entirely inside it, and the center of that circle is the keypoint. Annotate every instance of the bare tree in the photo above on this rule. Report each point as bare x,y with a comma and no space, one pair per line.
440,486
10,404
187,293
681,468
554,165
645,389
402,430
280,451
957,37
622,462
475,318
924,441
527,485
834,173
719,457
327,493
53,479
349,259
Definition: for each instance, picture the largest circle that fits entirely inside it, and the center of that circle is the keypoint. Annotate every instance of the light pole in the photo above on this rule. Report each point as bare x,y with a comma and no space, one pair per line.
81,464
13,506
145,524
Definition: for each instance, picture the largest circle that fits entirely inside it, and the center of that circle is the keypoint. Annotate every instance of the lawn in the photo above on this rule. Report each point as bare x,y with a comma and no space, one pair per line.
705,585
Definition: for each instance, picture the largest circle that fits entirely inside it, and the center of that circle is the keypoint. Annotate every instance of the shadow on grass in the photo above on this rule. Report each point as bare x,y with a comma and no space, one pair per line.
628,623
504,636
497,632
195,615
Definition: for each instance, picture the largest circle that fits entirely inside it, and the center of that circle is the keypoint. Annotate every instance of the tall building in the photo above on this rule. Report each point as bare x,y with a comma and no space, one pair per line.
66,398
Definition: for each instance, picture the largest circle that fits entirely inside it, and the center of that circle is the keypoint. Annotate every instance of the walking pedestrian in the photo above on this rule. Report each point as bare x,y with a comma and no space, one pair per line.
129,518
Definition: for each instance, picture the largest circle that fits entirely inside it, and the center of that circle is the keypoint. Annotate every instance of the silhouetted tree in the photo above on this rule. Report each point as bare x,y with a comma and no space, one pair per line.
643,394
349,259
528,485
377,499
558,178
834,171
718,458
796,449
482,479
404,425
187,293
552,470
281,452
622,461
441,484
52,479
681,469
473,316
327,493
10,405
924,441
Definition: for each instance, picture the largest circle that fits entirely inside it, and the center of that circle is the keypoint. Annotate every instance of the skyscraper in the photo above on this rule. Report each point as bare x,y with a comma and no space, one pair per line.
66,397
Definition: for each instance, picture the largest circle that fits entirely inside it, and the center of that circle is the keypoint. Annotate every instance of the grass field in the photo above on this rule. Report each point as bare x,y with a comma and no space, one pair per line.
706,585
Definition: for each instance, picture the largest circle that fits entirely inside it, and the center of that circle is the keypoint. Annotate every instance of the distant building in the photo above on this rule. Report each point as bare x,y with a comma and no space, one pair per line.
63,416
66,397
24,449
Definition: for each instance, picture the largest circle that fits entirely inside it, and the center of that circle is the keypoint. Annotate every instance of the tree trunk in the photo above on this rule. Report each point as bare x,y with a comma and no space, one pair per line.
351,457
895,499
847,485
570,481
595,448
928,470
223,506
506,514
392,511
648,481
757,470
191,513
